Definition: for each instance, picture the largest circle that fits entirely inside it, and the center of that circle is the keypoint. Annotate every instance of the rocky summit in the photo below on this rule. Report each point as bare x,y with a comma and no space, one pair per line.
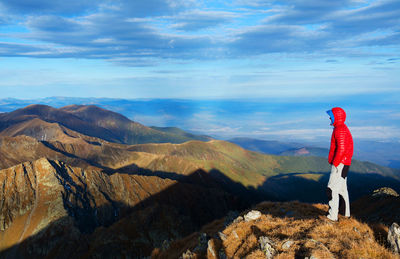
283,230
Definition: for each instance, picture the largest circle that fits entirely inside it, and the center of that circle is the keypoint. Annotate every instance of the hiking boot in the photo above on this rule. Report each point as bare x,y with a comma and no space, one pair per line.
331,218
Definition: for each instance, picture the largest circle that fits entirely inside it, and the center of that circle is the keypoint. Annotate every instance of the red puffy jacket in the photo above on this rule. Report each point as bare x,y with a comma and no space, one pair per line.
341,150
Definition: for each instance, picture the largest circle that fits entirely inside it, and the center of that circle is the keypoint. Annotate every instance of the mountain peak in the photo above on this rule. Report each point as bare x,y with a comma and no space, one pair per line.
95,113
72,107
37,106
34,109
82,107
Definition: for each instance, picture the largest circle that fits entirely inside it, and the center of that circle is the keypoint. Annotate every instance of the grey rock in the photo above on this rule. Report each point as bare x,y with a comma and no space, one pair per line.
394,237
187,255
238,219
287,244
267,247
211,248
385,191
222,236
252,215
235,234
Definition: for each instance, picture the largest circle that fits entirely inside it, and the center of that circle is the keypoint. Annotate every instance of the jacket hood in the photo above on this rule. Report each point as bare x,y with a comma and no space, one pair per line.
331,116
339,115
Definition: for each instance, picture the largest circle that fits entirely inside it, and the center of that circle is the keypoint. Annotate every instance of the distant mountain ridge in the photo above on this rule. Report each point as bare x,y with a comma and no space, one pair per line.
225,114
306,151
265,146
89,120
376,152
279,148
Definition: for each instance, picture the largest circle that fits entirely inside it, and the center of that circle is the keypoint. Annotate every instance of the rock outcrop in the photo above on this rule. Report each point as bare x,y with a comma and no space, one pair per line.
252,215
385,191
382,206
394,237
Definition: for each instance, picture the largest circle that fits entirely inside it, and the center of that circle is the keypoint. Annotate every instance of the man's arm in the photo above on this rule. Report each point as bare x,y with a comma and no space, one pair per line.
332,149
340,137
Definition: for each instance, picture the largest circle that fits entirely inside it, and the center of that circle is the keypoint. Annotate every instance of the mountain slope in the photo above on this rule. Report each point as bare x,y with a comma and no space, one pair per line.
52,115
128,132
48,200
16,150
88,120
265,176
264,146
179,132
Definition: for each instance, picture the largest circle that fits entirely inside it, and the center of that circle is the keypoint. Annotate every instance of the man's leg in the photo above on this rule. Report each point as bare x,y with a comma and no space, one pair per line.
343,190
334,187
333,204
345,195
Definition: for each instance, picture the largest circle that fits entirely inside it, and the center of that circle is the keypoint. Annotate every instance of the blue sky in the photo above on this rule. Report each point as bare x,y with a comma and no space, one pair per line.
198,49
304,51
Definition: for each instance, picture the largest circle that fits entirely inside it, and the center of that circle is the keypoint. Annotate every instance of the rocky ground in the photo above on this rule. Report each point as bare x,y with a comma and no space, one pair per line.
282,230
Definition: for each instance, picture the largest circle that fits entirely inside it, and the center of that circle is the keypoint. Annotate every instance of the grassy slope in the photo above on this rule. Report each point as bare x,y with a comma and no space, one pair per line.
179,132
240,165
305,225
269,174
253,169
129,132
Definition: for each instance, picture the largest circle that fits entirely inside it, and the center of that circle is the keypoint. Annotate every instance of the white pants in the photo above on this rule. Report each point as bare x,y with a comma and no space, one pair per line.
337,185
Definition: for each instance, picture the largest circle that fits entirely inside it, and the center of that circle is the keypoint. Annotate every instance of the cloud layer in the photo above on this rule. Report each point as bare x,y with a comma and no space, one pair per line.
144,32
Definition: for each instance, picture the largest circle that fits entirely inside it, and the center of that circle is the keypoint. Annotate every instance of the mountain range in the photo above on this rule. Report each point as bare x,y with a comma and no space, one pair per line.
48,123
227,119
382,153
90,181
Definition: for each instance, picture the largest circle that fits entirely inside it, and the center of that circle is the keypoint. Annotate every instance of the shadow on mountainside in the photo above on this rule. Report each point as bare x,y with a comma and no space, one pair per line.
305,187
302,186
75,160
116,229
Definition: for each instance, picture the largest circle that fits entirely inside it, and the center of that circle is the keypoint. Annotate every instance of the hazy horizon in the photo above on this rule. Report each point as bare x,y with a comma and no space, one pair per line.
229,118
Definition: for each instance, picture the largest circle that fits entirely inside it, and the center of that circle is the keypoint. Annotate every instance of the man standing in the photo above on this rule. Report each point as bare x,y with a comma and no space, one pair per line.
340,155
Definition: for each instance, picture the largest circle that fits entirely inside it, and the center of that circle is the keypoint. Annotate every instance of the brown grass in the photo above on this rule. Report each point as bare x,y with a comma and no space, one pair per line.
304,224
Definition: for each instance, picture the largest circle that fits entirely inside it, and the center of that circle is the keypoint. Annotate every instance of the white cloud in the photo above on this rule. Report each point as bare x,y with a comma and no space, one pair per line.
308,134
375,132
